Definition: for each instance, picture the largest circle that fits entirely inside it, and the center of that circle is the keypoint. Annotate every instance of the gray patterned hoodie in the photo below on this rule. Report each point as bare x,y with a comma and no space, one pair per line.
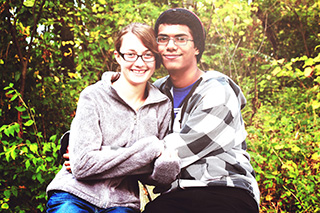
111,144
209,134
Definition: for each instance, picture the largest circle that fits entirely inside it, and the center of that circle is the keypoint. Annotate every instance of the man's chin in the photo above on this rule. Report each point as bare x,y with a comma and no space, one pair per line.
171,65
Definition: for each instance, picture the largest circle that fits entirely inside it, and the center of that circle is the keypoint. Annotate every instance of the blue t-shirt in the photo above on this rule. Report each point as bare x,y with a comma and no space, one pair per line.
179,95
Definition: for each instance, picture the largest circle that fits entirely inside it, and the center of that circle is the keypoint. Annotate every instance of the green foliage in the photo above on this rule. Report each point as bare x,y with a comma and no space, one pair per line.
57,48
26,164
290,27
37,36
285,138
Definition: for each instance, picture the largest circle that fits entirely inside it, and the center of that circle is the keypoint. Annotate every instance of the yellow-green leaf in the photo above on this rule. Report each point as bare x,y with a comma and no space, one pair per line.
34,147
315,156
4,206
315,104
295,149
278,146
307,71
28,123
276,71
28,3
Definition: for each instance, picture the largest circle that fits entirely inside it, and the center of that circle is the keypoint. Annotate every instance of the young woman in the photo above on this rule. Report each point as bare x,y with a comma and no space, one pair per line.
115,137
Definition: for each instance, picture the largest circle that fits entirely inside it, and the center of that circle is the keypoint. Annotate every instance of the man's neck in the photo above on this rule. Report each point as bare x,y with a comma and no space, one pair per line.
185,78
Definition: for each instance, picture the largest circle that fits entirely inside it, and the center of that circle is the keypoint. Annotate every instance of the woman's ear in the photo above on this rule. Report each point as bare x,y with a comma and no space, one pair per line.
117,56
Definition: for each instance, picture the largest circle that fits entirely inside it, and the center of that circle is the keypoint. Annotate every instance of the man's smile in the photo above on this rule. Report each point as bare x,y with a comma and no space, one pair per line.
171,56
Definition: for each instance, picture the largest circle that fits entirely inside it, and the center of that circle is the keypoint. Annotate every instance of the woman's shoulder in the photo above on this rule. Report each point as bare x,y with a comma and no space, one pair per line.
156,94
101,85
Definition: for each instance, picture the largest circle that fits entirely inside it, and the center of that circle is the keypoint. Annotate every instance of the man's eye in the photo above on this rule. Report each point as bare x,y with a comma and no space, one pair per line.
163,38
180,39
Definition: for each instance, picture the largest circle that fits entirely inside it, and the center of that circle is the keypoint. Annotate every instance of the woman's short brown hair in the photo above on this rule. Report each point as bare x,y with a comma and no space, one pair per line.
146,34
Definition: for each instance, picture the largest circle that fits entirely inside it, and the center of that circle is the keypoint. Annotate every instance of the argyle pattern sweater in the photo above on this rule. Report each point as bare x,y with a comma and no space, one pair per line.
209,134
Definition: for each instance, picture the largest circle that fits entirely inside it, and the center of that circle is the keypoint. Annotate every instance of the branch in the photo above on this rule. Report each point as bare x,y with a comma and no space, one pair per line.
35,25
13,32
301,31
264,33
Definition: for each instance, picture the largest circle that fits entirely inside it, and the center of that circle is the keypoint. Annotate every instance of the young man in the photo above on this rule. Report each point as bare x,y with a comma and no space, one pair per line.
207,130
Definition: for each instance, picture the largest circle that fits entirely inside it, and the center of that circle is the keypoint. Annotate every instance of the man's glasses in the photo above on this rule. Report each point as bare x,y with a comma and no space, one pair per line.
180,40
132,57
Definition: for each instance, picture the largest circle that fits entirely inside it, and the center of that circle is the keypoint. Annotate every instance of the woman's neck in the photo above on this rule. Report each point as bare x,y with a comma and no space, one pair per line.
134,95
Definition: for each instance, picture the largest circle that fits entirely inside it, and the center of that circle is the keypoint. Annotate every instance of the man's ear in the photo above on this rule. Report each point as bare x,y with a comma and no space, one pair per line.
197,51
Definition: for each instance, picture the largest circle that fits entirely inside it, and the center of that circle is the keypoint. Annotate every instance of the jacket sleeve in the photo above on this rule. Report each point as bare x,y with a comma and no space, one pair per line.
166,170
212,124
166,167
90,160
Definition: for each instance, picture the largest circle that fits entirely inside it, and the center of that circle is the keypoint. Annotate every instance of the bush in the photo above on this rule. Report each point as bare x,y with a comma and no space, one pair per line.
285,142
27,164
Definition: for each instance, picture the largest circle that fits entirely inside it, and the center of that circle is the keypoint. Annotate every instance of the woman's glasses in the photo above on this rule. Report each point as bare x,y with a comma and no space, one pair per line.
132,57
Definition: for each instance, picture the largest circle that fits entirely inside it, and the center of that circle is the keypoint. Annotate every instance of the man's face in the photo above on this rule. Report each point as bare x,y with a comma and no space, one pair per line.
177,57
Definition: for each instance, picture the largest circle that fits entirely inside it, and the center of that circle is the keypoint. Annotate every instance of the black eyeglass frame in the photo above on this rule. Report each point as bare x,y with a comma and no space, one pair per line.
137,56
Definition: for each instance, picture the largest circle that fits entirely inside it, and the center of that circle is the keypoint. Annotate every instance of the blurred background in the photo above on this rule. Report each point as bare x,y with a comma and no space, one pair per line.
51,50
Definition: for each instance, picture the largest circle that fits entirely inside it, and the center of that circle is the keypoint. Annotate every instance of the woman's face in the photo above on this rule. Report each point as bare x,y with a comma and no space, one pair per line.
138,71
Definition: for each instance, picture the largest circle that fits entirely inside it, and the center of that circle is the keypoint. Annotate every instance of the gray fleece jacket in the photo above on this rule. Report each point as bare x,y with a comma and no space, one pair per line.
111,144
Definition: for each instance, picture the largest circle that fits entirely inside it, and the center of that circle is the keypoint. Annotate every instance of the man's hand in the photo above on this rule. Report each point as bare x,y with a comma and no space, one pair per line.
67,162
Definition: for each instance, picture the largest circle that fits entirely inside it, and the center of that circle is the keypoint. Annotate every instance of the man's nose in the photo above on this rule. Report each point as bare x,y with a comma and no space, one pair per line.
171,44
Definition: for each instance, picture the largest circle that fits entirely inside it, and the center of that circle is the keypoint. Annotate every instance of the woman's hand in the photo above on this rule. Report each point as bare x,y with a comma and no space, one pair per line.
166,167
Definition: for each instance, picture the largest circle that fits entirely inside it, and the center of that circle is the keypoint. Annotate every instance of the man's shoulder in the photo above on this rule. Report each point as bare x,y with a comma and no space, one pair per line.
213,74
217,83
215,77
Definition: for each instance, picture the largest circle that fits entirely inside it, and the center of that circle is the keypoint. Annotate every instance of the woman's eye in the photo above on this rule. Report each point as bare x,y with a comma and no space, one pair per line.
131,54
148,55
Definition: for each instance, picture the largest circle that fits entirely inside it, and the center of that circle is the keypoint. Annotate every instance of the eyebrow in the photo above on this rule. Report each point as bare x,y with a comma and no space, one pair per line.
178,35
133,50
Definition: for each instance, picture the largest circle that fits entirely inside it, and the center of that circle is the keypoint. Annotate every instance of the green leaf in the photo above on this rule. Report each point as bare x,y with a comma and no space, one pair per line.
4,206
7,193
14,191
102,2
308,72
28,3
34,147
14,97
9,130
39,178
27,164
28,123
10,91
9,87
20,108
16,127
13,153
53,138
315,104
3,127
